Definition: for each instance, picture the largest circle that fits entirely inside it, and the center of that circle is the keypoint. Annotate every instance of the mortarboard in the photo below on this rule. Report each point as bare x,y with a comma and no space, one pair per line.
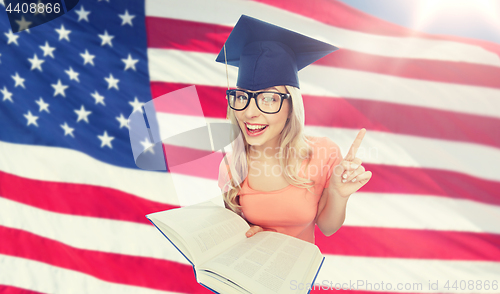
268,55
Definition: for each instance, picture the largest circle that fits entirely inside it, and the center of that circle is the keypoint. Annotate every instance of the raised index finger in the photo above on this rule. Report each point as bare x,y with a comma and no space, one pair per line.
355,145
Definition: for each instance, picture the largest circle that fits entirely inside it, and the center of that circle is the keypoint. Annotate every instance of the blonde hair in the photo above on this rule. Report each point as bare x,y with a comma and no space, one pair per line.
293,145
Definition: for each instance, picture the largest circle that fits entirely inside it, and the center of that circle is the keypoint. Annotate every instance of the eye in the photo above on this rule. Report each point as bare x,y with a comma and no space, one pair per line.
269,97
242,96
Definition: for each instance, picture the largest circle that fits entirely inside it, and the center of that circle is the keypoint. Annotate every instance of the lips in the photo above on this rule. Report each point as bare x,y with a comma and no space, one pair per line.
255,129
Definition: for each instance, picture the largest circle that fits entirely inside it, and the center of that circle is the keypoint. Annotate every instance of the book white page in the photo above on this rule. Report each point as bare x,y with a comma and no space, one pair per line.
268,262
206,229
220,284
174,238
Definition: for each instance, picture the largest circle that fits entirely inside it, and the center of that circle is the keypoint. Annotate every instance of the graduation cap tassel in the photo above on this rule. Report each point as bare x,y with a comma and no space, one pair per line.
227,78
225,61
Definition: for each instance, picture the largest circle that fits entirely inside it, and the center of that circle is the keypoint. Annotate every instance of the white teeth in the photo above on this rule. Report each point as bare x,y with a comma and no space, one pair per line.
254,127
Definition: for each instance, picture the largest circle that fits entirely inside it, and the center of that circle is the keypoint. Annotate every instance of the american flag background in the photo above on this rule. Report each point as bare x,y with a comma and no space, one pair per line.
72,201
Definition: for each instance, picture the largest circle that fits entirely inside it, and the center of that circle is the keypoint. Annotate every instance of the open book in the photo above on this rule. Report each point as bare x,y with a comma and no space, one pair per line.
212,239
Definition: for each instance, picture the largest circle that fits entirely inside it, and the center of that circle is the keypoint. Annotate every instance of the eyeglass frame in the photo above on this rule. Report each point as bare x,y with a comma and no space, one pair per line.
254,95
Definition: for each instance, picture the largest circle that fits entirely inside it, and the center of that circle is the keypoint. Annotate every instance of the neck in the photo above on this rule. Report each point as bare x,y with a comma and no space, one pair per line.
266,151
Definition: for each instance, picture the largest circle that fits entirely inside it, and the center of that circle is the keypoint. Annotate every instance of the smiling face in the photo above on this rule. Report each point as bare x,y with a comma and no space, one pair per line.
261,129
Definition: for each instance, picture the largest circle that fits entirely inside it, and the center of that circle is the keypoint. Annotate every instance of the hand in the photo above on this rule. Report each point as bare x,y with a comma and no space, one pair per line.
253,230
349,176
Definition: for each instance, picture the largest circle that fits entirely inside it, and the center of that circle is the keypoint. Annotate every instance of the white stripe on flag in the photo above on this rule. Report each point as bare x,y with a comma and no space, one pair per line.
369,268
403,150
70,166
46,278
377,148
195,68
227,12
365,209
421,212
412,151
342,269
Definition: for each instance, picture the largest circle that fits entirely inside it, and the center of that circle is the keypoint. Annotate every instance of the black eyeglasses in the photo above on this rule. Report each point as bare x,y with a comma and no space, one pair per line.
267,102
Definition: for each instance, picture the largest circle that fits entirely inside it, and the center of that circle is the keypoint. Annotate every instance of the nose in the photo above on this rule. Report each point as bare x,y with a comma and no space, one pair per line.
252,110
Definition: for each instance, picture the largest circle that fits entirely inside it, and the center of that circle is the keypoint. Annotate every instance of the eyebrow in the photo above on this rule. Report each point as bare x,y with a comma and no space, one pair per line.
272,88
267,89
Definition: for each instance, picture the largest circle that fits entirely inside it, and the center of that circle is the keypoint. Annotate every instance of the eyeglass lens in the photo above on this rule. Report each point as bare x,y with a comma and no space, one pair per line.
268,102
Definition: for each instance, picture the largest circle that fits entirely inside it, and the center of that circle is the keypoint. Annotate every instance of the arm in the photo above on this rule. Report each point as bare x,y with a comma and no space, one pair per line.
331,211
347,177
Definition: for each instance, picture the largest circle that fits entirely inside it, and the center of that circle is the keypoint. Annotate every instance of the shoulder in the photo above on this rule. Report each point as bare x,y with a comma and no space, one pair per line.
225,160
321,141
323,147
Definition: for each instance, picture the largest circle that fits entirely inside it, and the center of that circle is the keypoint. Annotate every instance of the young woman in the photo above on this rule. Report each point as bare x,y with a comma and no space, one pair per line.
281,180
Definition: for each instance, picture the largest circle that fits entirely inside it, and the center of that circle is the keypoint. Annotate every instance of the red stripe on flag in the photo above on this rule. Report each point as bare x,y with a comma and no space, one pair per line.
116,268
407,243
433,182
177,156
420,69
400,180
185,35
337,287
360,113
209,38
400,119
14,290
5,289
79,199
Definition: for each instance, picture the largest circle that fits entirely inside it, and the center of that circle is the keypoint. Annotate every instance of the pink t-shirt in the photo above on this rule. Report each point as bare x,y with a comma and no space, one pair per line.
292,210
